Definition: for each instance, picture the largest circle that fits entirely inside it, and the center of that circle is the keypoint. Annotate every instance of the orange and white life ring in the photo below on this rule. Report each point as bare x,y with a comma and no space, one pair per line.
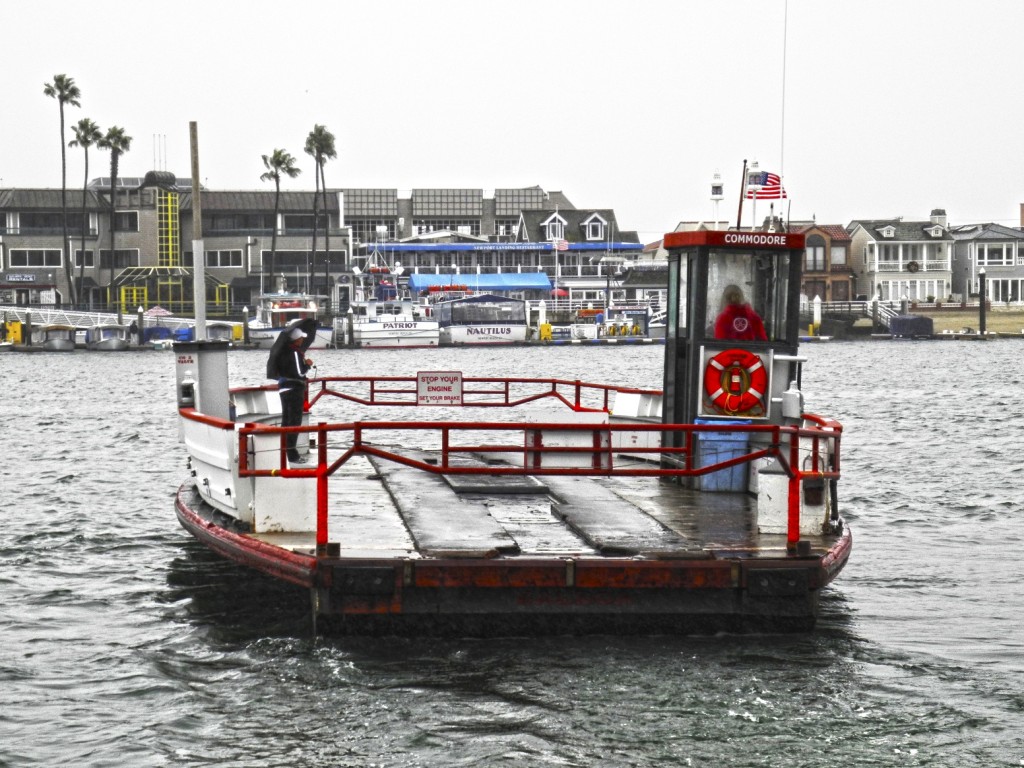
735,383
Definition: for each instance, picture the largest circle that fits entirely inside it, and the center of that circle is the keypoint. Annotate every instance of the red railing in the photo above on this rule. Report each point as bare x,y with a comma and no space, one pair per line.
596,452
402,391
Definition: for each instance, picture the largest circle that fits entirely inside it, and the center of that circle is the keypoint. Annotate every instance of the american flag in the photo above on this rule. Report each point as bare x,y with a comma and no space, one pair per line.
562,245
767,187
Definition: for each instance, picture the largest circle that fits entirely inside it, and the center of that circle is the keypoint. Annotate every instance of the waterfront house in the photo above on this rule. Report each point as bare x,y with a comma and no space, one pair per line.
827,273
998,251
895,259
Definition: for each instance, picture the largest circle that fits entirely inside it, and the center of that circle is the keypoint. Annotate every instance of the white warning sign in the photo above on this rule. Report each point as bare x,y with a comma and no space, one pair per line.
439,388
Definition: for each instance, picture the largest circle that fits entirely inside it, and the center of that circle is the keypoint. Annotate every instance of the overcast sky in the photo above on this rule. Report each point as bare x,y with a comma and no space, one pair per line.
868,108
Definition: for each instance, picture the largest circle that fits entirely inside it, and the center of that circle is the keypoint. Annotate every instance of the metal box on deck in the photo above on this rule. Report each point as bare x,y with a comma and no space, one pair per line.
716,447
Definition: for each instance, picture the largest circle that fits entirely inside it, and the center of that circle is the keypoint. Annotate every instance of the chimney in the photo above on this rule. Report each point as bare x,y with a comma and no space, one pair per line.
939,217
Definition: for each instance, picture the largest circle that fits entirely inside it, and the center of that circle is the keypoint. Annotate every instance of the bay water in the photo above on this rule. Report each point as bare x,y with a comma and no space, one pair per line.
123,642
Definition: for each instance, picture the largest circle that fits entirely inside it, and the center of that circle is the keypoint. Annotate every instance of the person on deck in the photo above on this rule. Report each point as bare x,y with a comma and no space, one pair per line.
291,366
738,320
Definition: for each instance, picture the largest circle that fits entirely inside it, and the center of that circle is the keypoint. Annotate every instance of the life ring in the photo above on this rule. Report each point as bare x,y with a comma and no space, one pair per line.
735,383
913,266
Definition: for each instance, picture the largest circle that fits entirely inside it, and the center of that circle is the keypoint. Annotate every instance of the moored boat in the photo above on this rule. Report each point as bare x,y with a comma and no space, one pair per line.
276,311
56,337
222,330
381,314
387,324
467,318
709,505
107,337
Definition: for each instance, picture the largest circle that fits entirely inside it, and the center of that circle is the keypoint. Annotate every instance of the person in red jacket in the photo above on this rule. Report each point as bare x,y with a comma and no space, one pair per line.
738,320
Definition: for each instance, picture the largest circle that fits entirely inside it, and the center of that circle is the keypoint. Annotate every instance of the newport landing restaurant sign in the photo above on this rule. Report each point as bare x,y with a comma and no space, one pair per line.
439,388
765,240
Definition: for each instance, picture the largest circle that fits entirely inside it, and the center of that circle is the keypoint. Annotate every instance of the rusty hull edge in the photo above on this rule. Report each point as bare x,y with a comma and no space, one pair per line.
531,610
274,561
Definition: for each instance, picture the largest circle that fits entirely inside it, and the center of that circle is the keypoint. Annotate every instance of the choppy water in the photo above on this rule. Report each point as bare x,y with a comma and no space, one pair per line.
123,642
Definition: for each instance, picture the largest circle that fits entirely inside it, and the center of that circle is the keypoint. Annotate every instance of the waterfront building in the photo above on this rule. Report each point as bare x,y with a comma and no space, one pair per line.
827,273
898,259
457,231
994,248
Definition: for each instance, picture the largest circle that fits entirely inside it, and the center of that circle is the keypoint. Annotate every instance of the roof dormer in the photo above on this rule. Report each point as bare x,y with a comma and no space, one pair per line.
934,231
887,231
554,227
594,227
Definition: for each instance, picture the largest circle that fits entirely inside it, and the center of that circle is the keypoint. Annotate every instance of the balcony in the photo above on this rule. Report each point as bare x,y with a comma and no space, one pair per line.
927,265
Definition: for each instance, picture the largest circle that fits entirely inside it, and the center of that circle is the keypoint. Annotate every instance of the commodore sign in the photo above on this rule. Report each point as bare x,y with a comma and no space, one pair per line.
439,388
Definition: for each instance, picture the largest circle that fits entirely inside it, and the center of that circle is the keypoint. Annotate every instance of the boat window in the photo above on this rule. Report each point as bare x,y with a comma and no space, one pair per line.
487,312
675,318
746,291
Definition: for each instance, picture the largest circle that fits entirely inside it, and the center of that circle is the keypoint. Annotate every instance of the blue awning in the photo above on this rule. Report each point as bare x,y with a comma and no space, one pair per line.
542,247
508,281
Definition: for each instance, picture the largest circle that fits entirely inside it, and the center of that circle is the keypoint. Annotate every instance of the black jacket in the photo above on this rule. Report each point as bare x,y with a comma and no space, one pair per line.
291,368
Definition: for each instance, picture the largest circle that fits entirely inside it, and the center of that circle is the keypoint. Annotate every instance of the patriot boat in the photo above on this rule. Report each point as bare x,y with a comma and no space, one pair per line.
381,313
275,311
709,504
386,324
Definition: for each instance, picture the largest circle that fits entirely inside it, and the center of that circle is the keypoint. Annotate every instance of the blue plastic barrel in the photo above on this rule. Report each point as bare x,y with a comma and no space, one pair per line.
715,447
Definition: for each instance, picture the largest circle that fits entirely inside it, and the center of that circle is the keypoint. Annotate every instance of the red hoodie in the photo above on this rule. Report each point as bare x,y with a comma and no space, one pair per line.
739,321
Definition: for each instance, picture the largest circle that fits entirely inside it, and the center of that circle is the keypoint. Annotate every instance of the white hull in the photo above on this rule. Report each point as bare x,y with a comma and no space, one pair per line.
264,338
483,334
59,345
109,345
396,333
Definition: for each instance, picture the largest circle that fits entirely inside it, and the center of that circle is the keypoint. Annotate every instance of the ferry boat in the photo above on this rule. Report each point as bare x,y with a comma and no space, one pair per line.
276,311
107,336
465,317
710,504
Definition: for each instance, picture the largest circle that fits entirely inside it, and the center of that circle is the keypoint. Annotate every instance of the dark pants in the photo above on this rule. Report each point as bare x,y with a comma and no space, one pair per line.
291,416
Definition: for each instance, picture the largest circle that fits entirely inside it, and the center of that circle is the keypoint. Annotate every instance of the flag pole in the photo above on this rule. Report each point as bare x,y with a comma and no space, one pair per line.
743,191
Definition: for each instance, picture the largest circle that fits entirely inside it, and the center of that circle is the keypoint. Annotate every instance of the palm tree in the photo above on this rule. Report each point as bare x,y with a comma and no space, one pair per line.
118,143
87,133
320,145
64,90
278,163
